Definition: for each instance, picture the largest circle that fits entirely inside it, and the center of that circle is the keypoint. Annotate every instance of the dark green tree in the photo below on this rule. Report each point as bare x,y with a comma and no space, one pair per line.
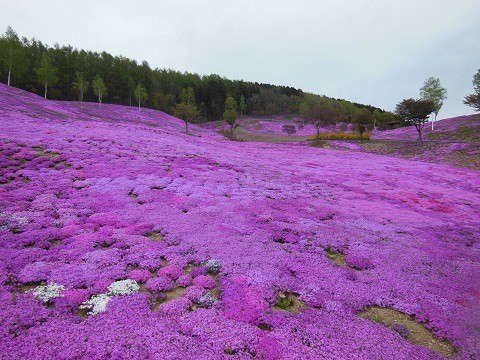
363,121
415,112
13,57
473,100
243,105
131,90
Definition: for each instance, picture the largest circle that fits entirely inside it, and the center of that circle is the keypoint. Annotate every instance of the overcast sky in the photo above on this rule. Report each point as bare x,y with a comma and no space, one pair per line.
370,51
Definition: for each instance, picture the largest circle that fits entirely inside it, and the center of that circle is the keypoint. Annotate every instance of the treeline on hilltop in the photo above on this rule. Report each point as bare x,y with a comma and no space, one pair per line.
28,63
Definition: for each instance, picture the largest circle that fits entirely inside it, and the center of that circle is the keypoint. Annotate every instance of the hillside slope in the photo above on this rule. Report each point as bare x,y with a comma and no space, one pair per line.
284,245
459,129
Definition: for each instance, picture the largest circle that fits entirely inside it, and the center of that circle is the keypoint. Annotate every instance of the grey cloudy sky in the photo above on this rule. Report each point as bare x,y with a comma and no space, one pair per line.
370,51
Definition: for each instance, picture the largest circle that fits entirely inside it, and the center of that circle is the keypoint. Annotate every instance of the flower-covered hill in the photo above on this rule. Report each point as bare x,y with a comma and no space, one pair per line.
124,240
17,104
459,129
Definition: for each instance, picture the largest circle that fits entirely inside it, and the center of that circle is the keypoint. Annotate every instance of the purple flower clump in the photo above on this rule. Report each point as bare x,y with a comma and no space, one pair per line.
161,283
171,271
204,281
184,280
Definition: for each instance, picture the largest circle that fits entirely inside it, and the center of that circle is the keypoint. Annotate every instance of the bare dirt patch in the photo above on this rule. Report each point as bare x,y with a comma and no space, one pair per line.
42,152
155,236
337,257
289,302
418,334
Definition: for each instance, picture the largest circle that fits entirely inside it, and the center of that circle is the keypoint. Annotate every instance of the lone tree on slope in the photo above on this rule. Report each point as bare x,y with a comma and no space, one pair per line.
230,115
186,109
473,100
415,112
432,90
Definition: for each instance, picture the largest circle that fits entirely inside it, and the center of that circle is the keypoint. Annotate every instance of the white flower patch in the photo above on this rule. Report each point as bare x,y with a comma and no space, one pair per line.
96,304
124,287
48,292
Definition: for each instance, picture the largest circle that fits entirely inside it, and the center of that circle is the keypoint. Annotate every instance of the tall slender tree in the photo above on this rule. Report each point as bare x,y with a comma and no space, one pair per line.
140,95
80,86
14,58
432,90
230,115
243,105
131,89
99,89
47,73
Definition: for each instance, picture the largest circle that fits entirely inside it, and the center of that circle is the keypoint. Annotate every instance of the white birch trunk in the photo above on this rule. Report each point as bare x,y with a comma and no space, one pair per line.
9,73
46,87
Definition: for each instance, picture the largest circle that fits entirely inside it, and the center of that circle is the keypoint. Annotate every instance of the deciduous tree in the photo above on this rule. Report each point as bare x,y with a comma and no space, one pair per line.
186,109
415,112
140,95
13,58
47,73
99,89
363,120
319,113
473,100
230,115
432,90
80,86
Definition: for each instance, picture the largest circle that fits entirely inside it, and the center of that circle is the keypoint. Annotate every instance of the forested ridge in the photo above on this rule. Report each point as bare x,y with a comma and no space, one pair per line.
23,63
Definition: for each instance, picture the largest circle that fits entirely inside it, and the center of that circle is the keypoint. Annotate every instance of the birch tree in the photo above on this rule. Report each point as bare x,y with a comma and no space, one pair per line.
14,58
47,73
140,95
432,90
80,86
99,89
